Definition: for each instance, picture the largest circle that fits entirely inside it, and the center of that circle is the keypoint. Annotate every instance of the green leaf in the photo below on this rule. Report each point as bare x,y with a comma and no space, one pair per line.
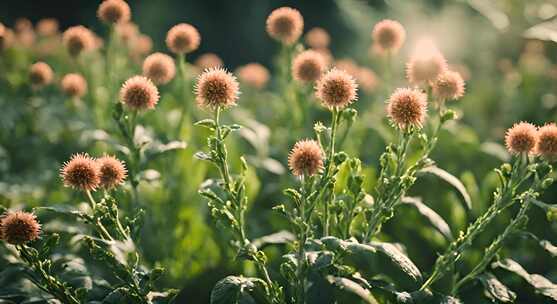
352,287
539,282
202,156
280,237
206,123
496,290
435,219
399,259
451,179
231,289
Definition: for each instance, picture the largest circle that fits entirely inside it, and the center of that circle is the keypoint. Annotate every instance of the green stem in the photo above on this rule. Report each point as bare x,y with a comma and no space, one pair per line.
330,167
101,228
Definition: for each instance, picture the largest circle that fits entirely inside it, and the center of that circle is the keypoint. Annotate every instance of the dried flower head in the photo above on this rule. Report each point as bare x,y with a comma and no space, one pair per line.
318,38
547,141
308,66
40,74
81,172
19,227
139,93
74,85
367,79
114,11
306,158
407,107
388,36
47,27
208,61
159,67
78,39
216,88
112,171
254,75
336,88
285,24
448,86
183,38
521,138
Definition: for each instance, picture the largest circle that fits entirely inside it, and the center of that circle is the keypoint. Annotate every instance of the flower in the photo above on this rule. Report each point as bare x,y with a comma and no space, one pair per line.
208,60
128,32
426,63
336,89
317,38
521,138
78,39
143,44
407,107
183,38
348,65
19,227
254,74
81,172
308,66
216,88
139,93
547,141
285,24
112,171
367,79
159,67
74,85
306,158
6,37
114,11
448,85
388,36
40,74
47,27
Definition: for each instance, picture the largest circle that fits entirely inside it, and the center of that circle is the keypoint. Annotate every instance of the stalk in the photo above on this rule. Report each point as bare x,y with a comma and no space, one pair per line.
330,167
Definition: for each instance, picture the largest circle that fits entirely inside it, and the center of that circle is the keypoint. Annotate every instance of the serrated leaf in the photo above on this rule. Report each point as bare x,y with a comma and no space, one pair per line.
496,290
350,286
399,259
539,282
451,179
435,219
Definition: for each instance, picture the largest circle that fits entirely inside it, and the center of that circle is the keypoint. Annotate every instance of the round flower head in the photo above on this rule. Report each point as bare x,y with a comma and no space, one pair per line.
425,68
159,67
114,11
143,44
336,89
318,38
521,138
208,60
22,25
285,24
40,74
347,65
367,79
308,66
78,39
216,88
47,27
183,38
306,158
6,37
81,172
113,172
547,141
128,32
254,74
18,228
139,93
407,107
448,86
74,85
388,36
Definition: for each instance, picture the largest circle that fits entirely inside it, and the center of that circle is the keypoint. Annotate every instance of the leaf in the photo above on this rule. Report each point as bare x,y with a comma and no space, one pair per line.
552,249
206,123
280,237
350,286
539,282
435,219
202,156
546,31
495,149
230,289
399,259
451,179
496,290
320,259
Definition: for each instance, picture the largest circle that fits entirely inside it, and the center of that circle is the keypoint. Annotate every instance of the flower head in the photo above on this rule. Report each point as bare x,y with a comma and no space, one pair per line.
367,79
6,37
183,38
285,24
143,44
40,74
47,27
336,88
112,172
208,60
388,36
547,141
306,158
448,85
159,67
254,74
216,88
19,227
139,93
78,39
74,85
81,172
318,38
521,138
426,63
127,31
407,107
114,11
308,66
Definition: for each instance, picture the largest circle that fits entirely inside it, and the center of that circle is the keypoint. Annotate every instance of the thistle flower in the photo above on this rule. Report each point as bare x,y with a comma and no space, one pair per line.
308,66
26,38
207,61
216,88
40,74
425,64
127,31
448,85
388,36
112,172
317,38
159,67
78,39
47,27
367,79
183,38
348,65
521,138
547,141
306,158
6,37
74,85
407,107
285,24
139,93
143,44
254,75
22,25
18,228
336,88
114,11
81,172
